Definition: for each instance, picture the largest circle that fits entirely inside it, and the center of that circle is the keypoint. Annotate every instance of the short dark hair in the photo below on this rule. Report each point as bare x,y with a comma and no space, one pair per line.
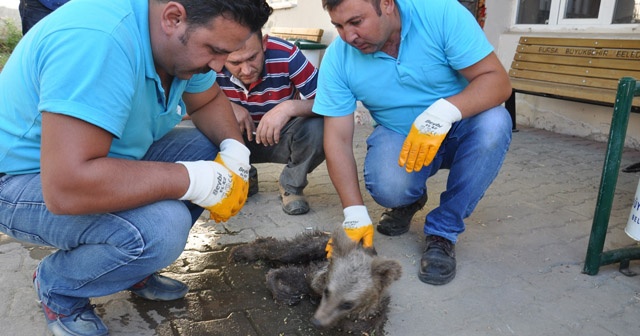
252,14
329,5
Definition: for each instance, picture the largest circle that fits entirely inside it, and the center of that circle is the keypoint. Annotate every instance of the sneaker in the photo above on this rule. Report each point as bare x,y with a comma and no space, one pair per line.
438,264
253,181
293,204
82,321
159,288
397,221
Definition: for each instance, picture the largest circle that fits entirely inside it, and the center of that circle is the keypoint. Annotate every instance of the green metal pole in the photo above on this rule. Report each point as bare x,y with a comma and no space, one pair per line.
615,146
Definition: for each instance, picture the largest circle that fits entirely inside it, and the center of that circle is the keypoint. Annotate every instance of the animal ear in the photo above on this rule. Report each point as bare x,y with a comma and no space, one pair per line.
341,243
319,281
386,271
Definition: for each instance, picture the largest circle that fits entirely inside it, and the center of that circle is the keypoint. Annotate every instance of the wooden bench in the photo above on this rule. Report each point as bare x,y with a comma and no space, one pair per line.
576,69
310,34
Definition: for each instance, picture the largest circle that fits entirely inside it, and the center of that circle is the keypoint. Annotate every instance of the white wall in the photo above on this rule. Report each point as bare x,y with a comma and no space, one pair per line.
307,14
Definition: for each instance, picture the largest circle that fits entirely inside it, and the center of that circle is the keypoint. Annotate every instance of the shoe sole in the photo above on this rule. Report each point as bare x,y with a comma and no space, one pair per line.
436,280
295,212
391,232
299,207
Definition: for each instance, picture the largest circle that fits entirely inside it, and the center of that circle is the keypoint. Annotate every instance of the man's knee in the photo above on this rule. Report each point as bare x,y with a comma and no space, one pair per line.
308,140
493,128
396,192
163,230
311,131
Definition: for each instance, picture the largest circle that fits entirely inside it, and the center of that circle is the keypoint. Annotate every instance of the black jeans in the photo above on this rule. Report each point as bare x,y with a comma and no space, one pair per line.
31,11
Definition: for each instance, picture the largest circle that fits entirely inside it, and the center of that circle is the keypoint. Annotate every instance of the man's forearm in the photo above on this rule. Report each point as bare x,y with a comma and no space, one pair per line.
217,121
341,164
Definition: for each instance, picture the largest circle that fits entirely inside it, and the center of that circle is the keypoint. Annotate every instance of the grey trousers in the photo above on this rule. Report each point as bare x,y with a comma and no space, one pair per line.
300,149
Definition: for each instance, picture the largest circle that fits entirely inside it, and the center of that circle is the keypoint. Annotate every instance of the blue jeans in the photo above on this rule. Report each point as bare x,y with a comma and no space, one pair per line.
473,151
104,253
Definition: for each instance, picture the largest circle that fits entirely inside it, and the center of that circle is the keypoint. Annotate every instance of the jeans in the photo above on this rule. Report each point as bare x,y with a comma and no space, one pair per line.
31,11
473,151
300,148
102,254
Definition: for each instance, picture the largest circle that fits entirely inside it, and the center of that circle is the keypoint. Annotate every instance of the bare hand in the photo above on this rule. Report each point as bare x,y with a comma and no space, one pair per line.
244,120
271,124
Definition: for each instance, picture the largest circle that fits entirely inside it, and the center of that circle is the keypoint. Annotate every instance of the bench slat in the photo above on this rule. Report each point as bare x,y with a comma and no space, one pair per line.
613,74
579,61
581,42
565,79
563,90
630,54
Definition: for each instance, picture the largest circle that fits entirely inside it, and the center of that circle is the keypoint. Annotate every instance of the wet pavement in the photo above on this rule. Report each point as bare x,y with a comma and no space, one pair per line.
519,262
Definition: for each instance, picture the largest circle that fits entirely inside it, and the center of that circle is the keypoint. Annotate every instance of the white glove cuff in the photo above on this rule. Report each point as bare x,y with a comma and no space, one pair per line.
356,216
204,177
236,157
445,110
434,117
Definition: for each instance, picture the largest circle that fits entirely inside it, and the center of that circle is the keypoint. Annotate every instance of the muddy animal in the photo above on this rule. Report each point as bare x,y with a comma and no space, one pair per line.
351,287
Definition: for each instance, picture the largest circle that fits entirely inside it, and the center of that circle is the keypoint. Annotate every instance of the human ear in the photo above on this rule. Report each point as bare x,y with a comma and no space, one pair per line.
173,15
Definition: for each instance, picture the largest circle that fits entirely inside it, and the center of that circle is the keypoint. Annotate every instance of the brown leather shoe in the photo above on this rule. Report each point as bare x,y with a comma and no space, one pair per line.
293,204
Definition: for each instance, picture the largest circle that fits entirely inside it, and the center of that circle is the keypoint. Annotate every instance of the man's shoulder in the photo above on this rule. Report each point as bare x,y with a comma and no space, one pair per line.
278,42
277,47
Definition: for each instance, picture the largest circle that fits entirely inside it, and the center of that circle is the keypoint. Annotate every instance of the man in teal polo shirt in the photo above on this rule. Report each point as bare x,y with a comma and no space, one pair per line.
429,78
90,160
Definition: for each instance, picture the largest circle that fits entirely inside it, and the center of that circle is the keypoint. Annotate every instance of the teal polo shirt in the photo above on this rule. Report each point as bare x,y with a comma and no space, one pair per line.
91,60
438,38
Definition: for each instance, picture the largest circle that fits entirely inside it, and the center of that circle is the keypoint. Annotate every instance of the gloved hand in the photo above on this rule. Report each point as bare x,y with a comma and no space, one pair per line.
426,135
357,225
220,186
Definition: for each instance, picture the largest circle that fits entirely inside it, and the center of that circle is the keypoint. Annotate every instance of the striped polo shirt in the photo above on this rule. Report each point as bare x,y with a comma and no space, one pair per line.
286,73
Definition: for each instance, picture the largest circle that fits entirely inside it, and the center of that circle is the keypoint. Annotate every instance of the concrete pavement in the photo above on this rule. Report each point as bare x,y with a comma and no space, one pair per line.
519,262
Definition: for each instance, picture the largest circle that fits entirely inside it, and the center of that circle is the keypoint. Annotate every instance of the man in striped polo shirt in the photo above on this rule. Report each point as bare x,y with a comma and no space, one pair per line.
271,85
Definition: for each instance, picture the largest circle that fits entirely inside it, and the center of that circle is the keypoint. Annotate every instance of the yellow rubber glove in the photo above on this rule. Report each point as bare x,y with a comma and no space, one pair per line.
357,225
220,186
426,135
235,198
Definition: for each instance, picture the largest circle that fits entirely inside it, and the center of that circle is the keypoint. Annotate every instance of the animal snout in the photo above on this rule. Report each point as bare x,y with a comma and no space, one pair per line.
317,323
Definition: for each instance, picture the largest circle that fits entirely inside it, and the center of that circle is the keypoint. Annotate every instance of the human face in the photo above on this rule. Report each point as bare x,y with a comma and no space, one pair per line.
206,48
359,24
247,63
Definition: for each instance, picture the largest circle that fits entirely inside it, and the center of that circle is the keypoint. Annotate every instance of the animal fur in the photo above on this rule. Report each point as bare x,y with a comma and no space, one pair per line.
351,286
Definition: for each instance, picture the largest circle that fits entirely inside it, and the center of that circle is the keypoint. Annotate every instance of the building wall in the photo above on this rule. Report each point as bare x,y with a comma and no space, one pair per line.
307,14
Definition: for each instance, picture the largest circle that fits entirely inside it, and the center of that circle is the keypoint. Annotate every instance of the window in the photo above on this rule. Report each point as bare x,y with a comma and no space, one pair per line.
582,9
578,12
626,11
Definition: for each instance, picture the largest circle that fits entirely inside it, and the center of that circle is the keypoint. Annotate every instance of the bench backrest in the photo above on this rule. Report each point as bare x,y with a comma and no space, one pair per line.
311,34
585,69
